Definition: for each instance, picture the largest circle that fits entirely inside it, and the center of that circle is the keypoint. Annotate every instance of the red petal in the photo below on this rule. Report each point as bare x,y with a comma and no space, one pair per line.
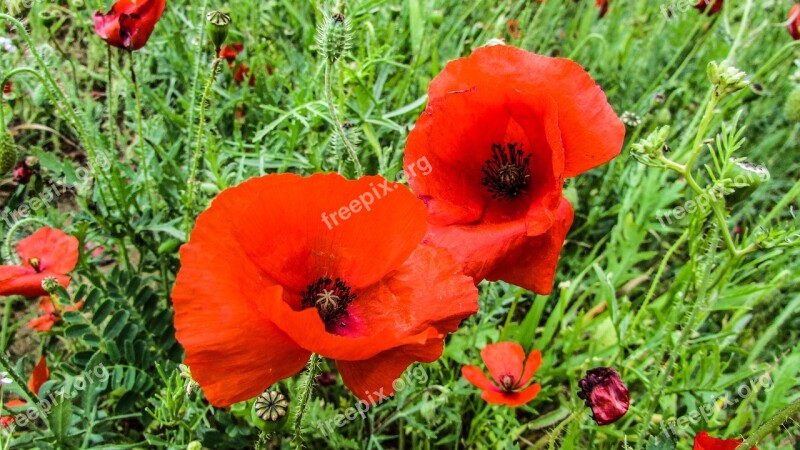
16,280
39,376
43,323
512,399
531,366
46,304
57,251
503,359
130,23
591,132
478,379
705,442
15,403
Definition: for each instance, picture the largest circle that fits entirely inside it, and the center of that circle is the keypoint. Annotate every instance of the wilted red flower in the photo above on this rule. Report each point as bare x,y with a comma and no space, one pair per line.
25,169
46,253
282,266
230,52
602,5
794,21
502,130
241,72
326,378
511,374
51,314
603,390
705,442
39,376
710,6
129,23
8,87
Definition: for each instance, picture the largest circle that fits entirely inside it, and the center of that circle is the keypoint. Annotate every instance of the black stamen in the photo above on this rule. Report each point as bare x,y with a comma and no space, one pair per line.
507,173
331,299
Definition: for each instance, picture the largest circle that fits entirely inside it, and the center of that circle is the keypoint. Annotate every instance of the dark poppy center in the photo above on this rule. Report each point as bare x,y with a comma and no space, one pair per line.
331,298
508,383
507,173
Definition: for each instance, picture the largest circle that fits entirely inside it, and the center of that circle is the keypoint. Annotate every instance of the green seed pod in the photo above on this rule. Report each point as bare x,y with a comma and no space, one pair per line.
748,177
195,445
218,23
8,152
50,284
792,107
270,411
333,37
168,246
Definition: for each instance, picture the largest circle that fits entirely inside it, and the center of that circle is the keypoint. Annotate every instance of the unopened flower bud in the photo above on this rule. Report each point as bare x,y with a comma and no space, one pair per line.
8,152
270,411
218,23
604,392
746,178
792,107
195,445
650,150
726,78
333,37
50,284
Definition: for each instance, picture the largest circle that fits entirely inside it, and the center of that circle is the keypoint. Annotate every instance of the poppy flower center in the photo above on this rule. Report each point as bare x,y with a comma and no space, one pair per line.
507,173
331,299
34,262
507,382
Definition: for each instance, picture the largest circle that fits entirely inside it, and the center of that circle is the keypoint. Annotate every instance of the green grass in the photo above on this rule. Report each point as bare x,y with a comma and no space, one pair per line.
712,323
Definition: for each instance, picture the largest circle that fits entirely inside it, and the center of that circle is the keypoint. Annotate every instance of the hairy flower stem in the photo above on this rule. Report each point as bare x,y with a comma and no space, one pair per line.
110,100
10,257
4,330
29,396
140,137
305,396
198,149
771,425
337,124
560,427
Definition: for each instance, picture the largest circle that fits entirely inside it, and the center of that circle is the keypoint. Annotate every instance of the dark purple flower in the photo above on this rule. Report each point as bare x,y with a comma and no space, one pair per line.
604,392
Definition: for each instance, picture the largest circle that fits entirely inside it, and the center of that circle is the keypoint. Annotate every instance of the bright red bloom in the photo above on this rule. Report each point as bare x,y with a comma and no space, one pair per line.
511,374
604,392
129,23
230,52
710,6
794,21
282,266
51,315
39,376
502,130
46,253
705,442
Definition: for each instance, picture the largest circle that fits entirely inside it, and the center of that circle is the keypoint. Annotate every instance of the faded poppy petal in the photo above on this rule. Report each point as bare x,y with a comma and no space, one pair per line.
703,441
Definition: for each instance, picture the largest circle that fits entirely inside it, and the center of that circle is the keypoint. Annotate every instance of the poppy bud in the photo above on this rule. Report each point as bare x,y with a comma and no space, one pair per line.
603,390
726,78
50,284
747,177
8,152
650,150
218,28
270,410
333,37
792,107
195,445
326,378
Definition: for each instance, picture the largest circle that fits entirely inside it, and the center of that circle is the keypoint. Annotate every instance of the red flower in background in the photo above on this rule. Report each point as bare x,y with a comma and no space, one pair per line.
794,21
129,23
710,6
46,253
502,130
282,266
511,374
705,442
230,52
241,72
602,5
51,315
39,376
604,392
8,87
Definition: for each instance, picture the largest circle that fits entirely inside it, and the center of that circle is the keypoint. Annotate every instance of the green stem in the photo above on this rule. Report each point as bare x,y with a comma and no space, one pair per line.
4,331
771,425
9,256
745,23
29,396
110,100
351,150
560,427
305,396
510,316
198,149
140,137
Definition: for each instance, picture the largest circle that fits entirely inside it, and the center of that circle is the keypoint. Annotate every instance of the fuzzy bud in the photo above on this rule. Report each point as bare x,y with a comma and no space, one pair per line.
218,23
50,284
792,107
333,37
726,78
650,150
270,411
603,390
8,152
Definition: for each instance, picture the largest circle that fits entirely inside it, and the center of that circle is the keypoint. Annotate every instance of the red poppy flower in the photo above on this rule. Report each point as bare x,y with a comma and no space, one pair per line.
129,23
511,374
282,266
51,314
241,72
604,392
710,6
602,5
46,253
8,87
513,29
39,376
230,52
502,130
705,442
794,21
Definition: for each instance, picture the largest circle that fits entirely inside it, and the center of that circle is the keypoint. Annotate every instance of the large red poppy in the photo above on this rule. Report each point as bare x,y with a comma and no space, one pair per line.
794,21
709,6
46,253
129,23
282,266
39,376
511,374
502,130
705,442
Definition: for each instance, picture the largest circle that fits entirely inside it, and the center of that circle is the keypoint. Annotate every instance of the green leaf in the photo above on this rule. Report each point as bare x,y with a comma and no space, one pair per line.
116,324
59,420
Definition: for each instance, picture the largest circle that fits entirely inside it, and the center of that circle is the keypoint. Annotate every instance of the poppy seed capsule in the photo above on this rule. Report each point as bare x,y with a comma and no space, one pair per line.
50,284
333,37
8,152
270,410
604,392
218,23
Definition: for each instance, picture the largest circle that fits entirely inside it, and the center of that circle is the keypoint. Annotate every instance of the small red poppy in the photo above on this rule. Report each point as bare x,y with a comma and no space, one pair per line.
51,315
230,52
709,6
602,5
129,23
241,72
502,130
39,376
794,21
8,87
705,442
511,374
46,253
282,266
